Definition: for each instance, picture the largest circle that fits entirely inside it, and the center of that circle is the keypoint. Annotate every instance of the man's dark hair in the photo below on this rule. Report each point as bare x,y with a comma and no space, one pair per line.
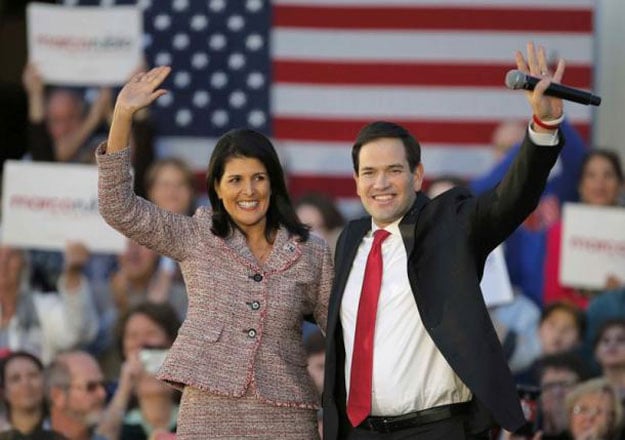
383,129
570,361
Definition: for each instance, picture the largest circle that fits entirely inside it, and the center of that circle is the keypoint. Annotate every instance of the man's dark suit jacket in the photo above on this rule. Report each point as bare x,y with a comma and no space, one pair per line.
447,240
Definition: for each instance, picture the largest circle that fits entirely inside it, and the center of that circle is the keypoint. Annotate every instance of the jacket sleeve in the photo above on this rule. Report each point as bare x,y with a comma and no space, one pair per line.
497,213
169,234
324,288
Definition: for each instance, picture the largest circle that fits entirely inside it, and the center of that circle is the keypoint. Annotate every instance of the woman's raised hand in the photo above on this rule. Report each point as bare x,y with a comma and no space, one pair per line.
142,89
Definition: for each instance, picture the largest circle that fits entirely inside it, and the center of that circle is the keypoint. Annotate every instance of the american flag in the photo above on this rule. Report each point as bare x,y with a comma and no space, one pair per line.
310,73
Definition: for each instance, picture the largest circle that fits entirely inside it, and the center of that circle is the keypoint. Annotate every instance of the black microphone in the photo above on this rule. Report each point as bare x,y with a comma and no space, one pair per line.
515,79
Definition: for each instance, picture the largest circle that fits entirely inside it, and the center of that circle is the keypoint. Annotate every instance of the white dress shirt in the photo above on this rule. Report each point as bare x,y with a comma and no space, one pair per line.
409,372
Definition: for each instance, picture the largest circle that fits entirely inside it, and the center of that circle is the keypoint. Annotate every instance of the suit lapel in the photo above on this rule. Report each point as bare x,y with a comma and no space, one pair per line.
408,224
346,252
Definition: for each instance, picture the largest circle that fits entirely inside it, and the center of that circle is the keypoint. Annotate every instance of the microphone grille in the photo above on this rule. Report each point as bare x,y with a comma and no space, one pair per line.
515,79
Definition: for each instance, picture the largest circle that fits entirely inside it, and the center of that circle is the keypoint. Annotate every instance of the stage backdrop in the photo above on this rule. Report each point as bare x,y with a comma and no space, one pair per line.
311,73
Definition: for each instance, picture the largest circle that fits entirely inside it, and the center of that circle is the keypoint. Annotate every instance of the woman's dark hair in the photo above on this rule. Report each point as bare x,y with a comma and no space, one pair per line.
251,144
608,155
383,129
162,314
3,371
605,326
332,217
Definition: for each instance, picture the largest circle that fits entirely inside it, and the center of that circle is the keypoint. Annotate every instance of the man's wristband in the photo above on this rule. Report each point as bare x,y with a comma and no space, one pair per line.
551,125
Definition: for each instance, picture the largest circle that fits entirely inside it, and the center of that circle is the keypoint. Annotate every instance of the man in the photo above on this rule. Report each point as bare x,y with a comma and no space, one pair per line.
559,373
58,125
413,353
76,395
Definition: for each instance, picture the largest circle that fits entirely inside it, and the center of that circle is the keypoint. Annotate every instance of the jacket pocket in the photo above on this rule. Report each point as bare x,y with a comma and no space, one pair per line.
213,331
293,353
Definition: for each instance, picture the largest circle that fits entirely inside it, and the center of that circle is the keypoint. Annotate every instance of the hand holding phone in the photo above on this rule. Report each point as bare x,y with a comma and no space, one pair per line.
152,358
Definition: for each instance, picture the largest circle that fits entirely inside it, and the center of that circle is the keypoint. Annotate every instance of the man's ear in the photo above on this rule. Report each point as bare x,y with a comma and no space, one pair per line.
417,177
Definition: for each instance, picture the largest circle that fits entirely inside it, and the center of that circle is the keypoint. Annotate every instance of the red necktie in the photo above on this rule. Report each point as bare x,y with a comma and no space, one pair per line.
359,400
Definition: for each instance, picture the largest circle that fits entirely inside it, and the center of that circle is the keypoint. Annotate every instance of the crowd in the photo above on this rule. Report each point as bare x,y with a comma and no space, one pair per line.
82,336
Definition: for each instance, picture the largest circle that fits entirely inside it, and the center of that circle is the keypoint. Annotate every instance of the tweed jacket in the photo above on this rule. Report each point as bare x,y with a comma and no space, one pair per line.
244,319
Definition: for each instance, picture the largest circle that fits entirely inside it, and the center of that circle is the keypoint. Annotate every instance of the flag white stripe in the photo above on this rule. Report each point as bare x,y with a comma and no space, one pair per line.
423,47
444,103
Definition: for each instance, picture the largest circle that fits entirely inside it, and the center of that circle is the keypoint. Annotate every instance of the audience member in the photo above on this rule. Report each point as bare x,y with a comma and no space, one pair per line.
142,404
558,374
595,412
599,185
131,283
45,324
59,126
607,305
22,383
525,248
322,215
560,330
516,324
610,353
170,185
76,395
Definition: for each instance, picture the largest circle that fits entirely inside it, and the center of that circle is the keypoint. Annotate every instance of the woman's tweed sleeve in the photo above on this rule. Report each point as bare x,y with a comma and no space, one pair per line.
322,293
167,233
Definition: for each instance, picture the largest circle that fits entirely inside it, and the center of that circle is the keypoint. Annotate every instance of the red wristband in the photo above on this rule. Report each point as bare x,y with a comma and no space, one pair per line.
544,124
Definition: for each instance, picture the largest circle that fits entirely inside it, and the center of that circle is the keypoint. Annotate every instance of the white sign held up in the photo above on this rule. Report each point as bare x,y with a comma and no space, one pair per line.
593,245
495,284
84,46
44,205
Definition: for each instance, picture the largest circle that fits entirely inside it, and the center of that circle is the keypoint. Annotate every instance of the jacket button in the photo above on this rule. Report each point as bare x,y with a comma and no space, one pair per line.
251,333
255,305
257,277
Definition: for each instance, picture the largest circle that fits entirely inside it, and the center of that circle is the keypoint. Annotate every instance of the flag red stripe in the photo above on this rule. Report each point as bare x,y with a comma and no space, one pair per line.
402,74
446,132
337,186
435,18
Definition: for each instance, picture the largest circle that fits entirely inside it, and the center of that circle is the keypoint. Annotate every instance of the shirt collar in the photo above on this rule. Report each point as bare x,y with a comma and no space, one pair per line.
393,228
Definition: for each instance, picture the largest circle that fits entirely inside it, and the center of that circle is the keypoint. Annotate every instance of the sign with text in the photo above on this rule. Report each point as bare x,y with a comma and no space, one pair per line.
44,205
593,245
495,284
84,46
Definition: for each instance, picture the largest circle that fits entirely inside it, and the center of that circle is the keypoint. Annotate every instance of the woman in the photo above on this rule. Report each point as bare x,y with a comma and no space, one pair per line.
594,411
170,185
252,273
22,383
599,185
322,215
610,353
142,404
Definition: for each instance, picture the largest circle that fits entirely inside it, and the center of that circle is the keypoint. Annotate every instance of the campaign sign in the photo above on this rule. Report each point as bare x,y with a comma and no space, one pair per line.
45,205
